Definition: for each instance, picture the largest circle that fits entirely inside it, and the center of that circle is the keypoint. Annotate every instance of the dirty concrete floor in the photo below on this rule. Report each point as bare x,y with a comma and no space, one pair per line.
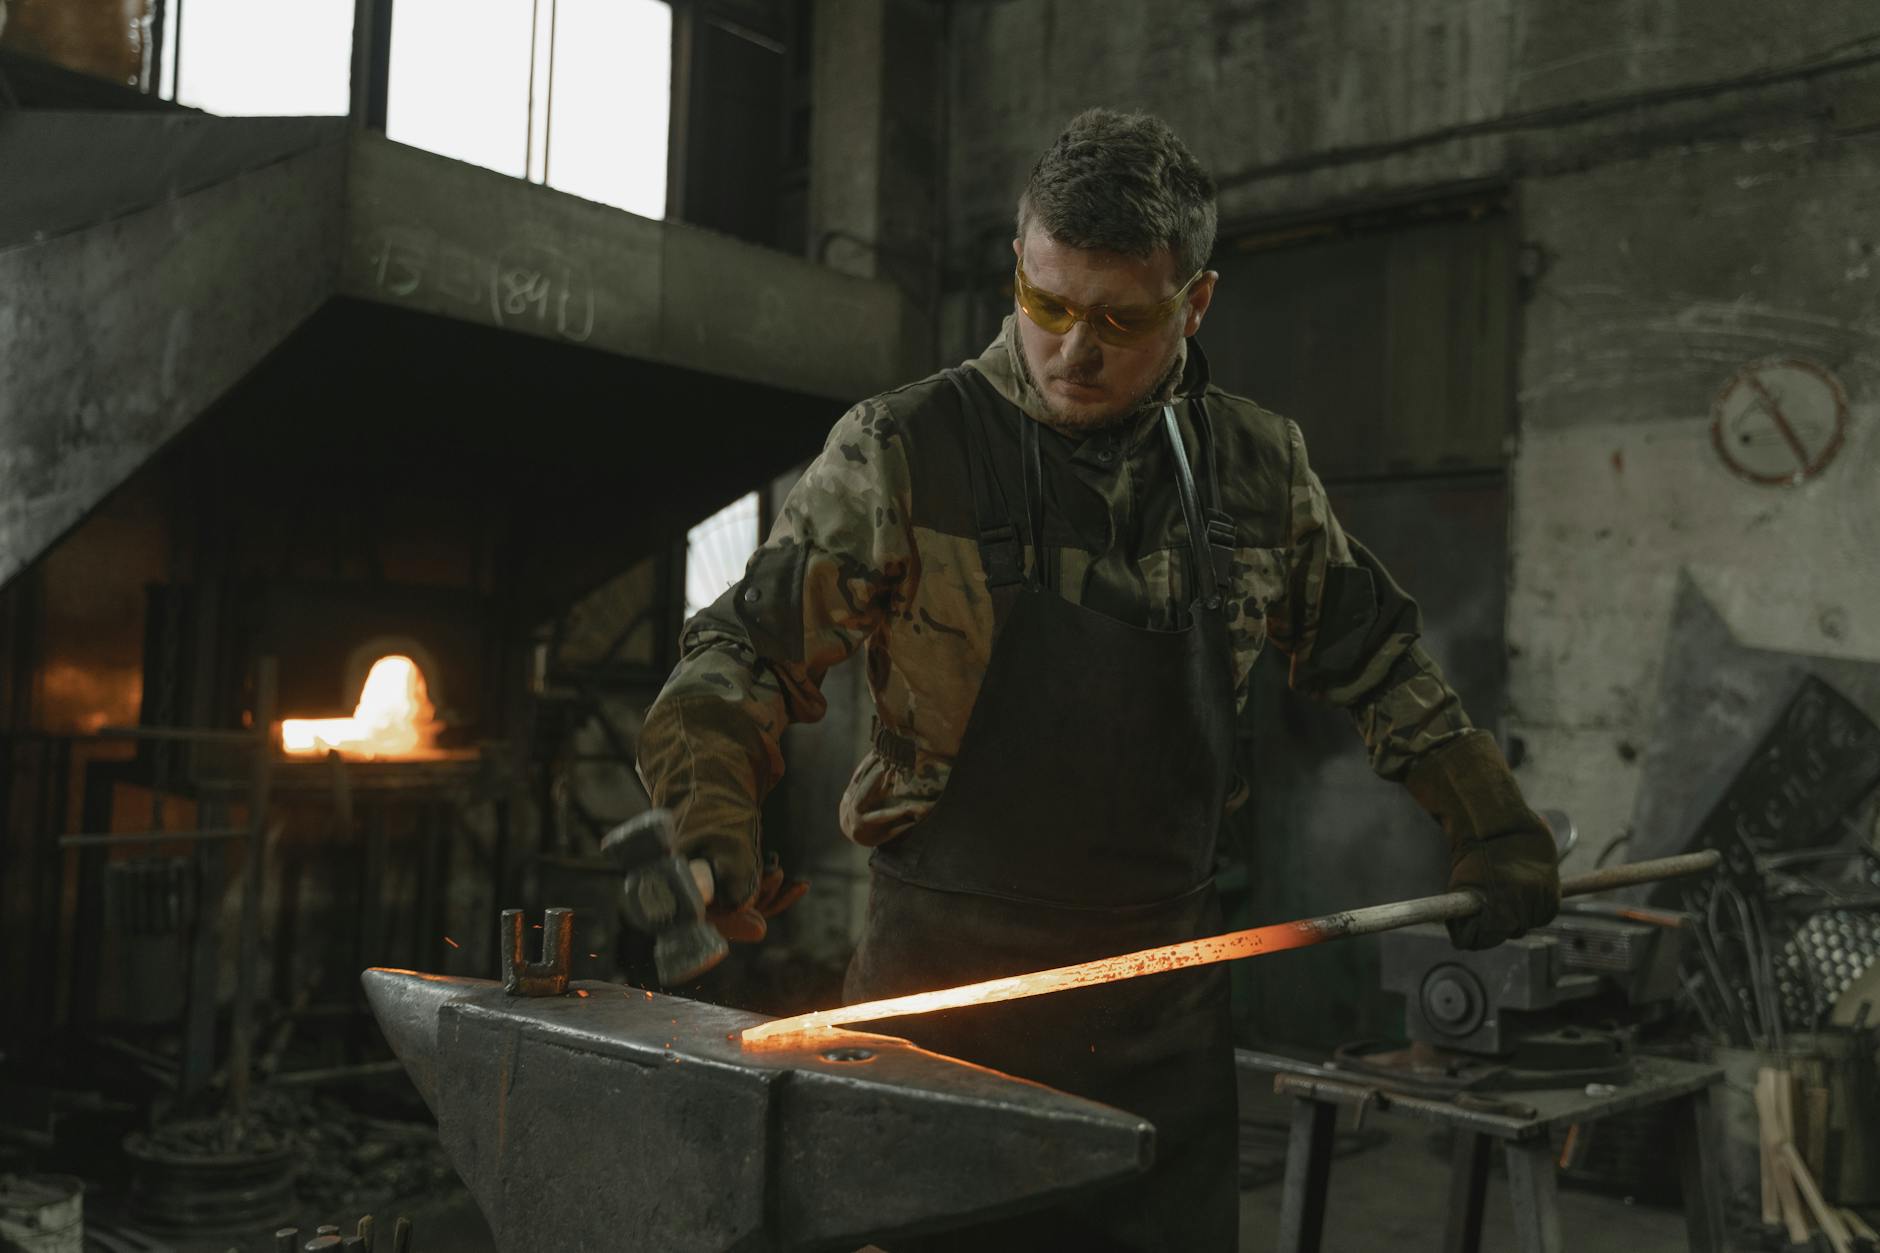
1388,1197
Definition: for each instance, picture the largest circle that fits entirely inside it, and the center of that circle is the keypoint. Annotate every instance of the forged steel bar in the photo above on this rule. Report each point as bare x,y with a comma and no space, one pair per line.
798,1031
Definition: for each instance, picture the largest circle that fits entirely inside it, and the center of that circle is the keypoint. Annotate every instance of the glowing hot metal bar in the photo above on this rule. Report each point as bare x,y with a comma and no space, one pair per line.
791,1032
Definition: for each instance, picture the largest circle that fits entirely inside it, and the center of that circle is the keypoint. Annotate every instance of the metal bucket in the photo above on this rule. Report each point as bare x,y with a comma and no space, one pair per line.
1739,1147
42,1213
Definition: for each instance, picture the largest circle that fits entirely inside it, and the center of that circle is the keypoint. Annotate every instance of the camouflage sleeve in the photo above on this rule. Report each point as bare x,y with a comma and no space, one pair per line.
1353,635
839,561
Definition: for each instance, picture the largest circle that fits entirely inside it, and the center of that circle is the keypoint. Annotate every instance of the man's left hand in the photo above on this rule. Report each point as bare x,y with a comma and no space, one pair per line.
1518,880
1499,848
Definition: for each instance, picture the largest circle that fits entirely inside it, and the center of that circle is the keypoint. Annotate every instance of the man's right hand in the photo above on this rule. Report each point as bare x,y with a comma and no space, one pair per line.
740,901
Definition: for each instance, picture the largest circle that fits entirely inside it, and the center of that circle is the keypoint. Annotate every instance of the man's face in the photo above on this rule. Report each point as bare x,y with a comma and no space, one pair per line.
1087,384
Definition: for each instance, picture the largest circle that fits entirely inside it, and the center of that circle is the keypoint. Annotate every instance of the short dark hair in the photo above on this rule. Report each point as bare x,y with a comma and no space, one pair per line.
1122,182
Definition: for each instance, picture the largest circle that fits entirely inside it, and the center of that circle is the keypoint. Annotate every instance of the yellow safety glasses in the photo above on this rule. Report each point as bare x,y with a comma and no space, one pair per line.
1122,325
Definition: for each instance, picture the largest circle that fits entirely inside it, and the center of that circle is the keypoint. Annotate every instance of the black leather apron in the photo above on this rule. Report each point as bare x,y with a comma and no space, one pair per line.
1080,821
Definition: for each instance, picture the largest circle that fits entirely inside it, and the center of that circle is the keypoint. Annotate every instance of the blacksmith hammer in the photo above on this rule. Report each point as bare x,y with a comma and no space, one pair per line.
666,896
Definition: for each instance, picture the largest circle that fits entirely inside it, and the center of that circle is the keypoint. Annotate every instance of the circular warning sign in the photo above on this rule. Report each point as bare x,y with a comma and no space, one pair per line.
1779,421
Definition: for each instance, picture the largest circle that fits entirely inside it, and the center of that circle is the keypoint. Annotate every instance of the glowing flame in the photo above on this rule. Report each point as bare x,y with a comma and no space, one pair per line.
807,1030
394,718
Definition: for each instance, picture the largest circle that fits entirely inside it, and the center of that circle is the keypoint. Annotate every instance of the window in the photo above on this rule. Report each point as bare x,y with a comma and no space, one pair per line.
571,93
460,80
716,551
575,94
288,57
611,103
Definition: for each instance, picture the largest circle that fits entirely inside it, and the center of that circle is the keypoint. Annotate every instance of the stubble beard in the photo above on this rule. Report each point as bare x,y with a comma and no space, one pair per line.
1073,423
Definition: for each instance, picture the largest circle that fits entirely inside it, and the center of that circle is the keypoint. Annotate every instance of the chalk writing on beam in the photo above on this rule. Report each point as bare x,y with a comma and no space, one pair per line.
536,283
529,286
400,258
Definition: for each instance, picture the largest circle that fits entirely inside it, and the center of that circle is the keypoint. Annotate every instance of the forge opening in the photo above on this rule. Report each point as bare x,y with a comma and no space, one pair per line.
394,718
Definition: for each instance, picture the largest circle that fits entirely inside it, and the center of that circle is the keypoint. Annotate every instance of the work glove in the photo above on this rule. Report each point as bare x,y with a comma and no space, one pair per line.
1499,849
739,899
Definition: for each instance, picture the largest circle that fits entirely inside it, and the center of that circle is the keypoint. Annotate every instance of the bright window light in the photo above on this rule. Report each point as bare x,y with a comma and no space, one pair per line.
612,98
460,79
252,57
574,93
716,551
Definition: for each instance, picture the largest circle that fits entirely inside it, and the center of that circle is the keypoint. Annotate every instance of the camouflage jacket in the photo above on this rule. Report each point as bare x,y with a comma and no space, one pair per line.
876,552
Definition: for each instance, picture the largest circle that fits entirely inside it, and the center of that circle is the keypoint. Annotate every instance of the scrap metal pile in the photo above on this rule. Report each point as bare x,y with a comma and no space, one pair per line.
1793,922
1785,968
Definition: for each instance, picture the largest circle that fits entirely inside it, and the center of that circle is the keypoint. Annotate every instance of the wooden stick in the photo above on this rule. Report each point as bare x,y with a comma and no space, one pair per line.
1775,1134
1767,1137
1815,1101
1825,1214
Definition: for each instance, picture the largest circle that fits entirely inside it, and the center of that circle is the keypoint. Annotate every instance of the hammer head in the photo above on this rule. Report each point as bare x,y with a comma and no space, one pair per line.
662,897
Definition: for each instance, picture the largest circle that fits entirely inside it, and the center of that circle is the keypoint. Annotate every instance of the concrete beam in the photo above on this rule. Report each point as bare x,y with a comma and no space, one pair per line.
541,262
137,288
114,338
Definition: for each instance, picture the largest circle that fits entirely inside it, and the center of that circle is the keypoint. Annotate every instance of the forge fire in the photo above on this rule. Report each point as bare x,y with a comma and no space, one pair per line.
393,720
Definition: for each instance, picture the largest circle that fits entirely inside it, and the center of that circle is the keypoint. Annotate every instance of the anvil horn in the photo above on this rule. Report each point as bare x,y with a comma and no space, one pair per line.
613,1117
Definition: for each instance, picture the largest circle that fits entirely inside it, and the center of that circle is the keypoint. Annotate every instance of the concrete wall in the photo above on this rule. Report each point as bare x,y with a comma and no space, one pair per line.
1695,180
1663,277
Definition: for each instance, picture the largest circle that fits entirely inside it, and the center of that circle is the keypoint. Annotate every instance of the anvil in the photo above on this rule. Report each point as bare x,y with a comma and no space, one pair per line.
614,1118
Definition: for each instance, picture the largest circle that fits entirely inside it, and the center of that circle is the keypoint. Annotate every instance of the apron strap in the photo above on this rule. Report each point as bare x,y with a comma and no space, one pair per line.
1034,495
1001,552
1206,576
1221,536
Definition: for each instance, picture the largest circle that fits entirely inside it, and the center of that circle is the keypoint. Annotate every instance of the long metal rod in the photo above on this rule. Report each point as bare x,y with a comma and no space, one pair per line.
1210,950
193,735
261,833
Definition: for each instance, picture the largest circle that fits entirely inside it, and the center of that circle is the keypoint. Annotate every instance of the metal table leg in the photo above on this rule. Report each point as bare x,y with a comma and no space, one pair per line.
1697,1164
1534,1193
1308,1169
1468,1188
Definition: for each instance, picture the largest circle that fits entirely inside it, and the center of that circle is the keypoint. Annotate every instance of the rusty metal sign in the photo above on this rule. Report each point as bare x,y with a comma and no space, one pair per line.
1779,422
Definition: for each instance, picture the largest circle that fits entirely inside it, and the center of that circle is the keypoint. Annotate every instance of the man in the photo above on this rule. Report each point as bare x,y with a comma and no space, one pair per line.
1060,562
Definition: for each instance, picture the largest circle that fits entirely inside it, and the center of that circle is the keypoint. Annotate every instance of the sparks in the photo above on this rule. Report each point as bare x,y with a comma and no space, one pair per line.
452,942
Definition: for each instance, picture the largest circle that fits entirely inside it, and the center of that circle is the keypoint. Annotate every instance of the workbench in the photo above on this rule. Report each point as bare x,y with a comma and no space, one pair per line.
1521,1121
